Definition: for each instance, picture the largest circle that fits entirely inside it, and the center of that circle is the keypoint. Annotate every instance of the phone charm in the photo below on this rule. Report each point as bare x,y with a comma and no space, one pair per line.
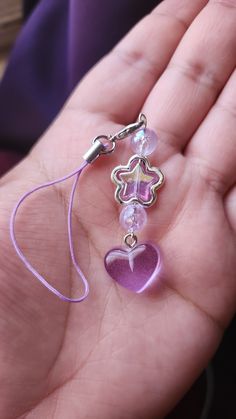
133,266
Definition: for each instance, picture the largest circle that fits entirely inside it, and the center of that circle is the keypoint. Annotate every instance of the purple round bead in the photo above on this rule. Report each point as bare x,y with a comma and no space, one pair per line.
144,142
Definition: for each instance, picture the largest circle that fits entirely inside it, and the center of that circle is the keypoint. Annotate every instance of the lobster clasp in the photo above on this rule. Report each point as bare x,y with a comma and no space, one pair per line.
105,144
129,129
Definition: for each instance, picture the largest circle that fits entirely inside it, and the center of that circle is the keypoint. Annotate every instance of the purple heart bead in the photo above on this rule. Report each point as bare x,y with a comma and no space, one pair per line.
134,269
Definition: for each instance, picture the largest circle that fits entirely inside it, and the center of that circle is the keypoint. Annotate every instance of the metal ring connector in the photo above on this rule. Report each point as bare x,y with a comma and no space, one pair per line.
130,240
108,144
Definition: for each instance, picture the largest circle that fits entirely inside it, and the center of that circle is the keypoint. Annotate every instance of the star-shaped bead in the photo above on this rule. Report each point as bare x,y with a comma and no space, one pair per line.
137,182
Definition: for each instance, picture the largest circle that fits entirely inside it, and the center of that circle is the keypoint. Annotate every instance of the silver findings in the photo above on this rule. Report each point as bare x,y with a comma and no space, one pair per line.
105,144
130,240
137,181
102,144
129,129
94,151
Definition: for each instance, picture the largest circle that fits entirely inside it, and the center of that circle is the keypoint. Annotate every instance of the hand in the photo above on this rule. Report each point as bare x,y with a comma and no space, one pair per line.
118,354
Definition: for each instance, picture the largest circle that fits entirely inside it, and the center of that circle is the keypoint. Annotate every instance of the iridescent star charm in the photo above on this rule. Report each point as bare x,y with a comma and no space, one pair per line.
137,182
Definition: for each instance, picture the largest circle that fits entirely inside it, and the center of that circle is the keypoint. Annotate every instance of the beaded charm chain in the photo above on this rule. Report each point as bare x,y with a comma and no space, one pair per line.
134,266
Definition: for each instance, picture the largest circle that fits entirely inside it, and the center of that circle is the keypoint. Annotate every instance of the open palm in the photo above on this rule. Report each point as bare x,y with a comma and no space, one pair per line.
118,354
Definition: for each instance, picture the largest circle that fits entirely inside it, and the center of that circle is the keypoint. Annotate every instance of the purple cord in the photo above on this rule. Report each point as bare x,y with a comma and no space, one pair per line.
28,265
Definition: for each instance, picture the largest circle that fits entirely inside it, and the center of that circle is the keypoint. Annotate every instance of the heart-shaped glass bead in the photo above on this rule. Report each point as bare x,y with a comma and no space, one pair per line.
135,268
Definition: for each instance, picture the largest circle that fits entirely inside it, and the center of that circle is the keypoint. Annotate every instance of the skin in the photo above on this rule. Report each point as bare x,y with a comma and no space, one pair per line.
117,354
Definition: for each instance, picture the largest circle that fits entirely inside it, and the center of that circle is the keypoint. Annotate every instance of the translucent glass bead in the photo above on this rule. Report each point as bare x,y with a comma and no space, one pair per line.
133,217
135,269
144,142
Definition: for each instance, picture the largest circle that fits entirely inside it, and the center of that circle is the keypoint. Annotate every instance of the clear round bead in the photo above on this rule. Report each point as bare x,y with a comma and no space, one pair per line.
133,217
144,142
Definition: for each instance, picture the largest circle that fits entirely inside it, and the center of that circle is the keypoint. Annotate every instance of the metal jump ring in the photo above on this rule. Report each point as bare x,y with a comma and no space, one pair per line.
107,148
130,240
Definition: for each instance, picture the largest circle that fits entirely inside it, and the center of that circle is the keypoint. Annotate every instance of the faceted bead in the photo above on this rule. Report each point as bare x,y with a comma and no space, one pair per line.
144,142
133,217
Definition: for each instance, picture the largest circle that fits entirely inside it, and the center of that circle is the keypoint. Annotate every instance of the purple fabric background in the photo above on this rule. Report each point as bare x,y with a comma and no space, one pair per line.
60,41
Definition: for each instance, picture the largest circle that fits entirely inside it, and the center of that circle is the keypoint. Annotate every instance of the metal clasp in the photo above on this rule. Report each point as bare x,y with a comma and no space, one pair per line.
104,144
129,129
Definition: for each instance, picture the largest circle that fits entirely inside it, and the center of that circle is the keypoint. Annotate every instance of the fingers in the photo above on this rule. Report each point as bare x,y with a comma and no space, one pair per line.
196,74
230,207
119,84
213,147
